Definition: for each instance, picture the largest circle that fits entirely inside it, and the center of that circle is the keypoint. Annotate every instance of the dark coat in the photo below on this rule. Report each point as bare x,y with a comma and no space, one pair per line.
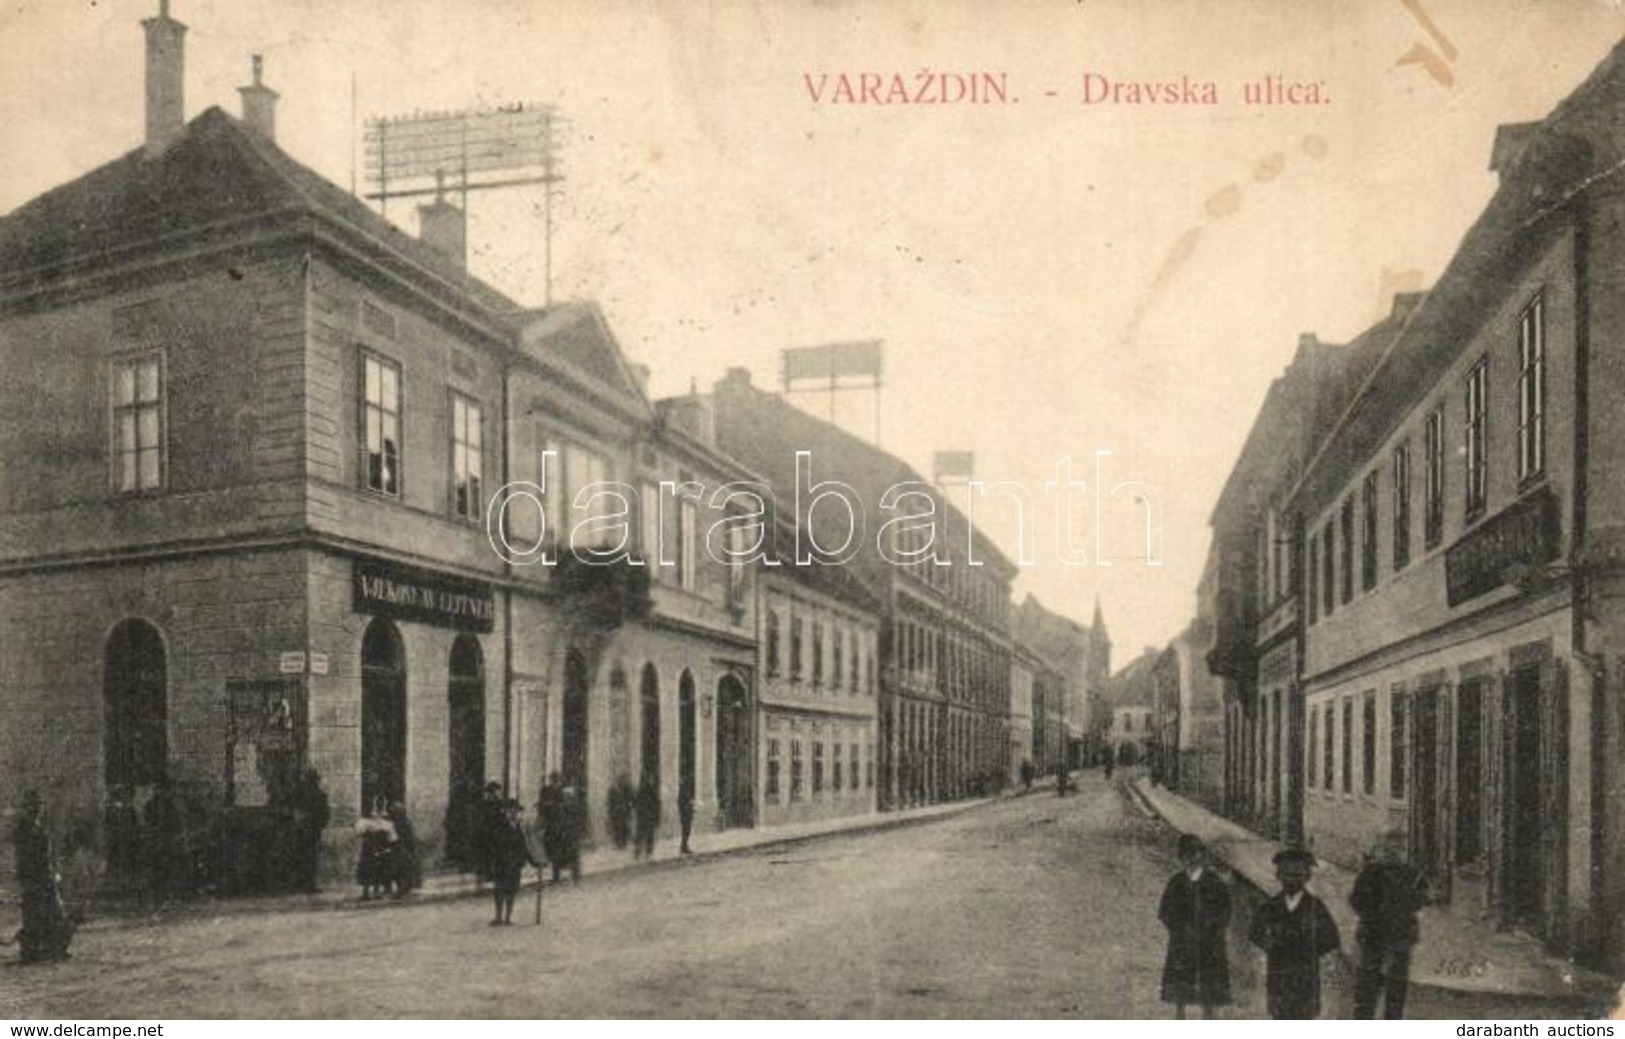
1293,942
1386,897
46,929
1197,916
404,869
509,854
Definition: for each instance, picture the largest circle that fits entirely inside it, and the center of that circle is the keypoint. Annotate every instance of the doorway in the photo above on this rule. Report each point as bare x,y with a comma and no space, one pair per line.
465,702
1425,785
686,734
135,701
734,794
383,715
573,757
649,727
1525,875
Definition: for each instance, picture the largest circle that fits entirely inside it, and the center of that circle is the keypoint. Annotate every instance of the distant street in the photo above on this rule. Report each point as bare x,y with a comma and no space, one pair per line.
1033,907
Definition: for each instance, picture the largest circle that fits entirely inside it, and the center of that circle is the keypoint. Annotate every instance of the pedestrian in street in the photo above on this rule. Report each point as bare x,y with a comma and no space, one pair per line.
621,806
567,836
405,874
311,814
1026,776
685,813
1387,895
490,821
47,929
646,810
161,843
1060,779
549,813
1195,909
372,865
1295,930
509,855
1111,764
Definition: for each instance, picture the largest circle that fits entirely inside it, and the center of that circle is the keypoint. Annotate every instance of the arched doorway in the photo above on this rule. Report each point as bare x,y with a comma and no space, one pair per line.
465,730
649,729
383,714
573,756
135,700
734,794
687,762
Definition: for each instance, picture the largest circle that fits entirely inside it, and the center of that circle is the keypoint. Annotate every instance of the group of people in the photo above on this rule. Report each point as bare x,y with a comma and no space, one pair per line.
388,863
1294,930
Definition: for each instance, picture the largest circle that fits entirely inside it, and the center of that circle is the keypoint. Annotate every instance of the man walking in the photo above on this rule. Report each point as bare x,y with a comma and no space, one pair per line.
646,812
1387,894
311,815
685,813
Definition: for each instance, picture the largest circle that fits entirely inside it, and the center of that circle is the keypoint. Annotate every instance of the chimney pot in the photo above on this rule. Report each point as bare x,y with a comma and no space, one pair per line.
166,76
445,227
259,102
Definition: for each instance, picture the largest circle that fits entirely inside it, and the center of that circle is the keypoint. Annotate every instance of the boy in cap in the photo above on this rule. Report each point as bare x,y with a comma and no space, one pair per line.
1195,909
1295,931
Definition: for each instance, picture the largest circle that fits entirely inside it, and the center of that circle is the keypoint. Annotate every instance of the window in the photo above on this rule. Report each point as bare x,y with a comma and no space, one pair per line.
1313,770
772,642
818,768
1477,388
1402,505
1532,390
1328,742
381,422
869,663
1433,478
836,675
687,547
466,468
796,789
1368,532
1346,562
1348,746
138,423
773,770
852,673
869,768
853,765
1368,744
1328,565
649,517
796,629
818,652
1399,745
837,773
1312,592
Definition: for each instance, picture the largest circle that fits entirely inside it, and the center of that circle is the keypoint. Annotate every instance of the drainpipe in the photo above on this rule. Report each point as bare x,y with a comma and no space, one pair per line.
1594,664
509,779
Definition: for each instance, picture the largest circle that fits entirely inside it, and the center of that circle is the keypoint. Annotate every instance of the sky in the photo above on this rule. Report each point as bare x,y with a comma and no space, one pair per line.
1052,277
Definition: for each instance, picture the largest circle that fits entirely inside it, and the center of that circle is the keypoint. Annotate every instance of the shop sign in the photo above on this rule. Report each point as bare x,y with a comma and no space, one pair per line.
413,594
1525,534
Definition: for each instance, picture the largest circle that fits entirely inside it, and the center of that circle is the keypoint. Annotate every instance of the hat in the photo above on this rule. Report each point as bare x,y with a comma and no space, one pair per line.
1189,844
1301,856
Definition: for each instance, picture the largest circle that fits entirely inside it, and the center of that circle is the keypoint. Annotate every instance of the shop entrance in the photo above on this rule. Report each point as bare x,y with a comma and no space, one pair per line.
465,704
1425,787
1525,875
734,758
574,743
649,729
383,715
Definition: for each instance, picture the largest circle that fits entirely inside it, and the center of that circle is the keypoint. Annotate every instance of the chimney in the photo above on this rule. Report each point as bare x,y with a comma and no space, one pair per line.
445,227
259,103
736,379
166,74
1510,139
1405,304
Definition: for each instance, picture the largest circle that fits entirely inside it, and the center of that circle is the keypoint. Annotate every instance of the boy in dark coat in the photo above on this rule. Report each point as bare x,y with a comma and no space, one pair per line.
1387,894
1295,930
1195,909
508,855
646,813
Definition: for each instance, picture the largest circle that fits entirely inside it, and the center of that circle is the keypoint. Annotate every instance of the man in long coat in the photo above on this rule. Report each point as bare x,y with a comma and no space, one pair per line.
46,928
1195,909
1295,930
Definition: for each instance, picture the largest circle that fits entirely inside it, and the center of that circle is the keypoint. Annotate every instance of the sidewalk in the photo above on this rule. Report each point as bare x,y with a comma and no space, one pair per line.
1454,953
595,863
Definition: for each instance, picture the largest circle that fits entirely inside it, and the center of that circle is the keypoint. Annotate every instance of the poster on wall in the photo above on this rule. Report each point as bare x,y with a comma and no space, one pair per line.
265,741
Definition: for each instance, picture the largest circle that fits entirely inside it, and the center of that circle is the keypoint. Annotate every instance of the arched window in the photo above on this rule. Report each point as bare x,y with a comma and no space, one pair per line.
135,700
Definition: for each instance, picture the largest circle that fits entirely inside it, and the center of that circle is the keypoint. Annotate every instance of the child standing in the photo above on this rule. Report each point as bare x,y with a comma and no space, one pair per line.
1195,909
1295,930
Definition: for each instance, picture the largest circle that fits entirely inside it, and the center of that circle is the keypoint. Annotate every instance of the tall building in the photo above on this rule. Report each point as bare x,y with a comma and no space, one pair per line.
944,645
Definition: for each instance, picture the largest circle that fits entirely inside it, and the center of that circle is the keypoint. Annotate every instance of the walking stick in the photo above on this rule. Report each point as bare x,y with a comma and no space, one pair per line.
538,895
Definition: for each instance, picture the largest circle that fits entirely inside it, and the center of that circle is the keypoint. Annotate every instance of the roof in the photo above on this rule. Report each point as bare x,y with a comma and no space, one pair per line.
1135,685
1576,148
764,432
217,173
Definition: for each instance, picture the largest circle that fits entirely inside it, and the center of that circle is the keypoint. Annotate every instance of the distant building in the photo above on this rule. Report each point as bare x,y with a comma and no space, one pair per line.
1131,696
